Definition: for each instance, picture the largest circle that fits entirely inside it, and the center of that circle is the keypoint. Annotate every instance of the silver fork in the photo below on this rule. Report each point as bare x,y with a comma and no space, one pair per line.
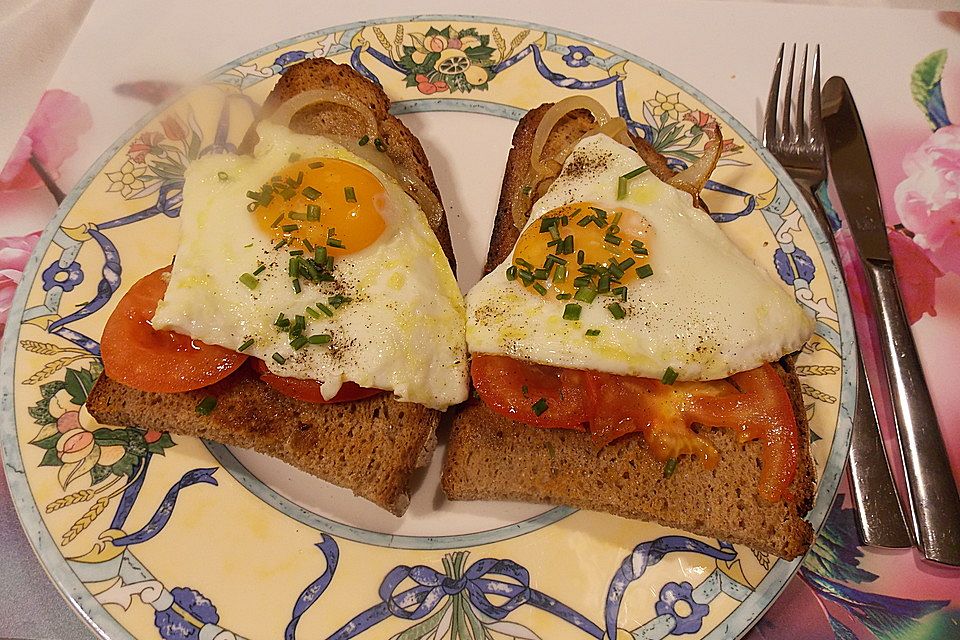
797,140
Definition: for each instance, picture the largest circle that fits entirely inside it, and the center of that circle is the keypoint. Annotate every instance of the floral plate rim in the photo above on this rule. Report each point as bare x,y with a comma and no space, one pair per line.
106,626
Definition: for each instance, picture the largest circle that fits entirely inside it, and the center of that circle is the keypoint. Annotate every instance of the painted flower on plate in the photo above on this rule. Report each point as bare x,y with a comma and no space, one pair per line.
928,200
577,55
667,104
676,600
127,180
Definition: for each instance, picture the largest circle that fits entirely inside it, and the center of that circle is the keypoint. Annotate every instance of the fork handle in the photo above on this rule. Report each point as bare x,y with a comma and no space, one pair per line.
930,484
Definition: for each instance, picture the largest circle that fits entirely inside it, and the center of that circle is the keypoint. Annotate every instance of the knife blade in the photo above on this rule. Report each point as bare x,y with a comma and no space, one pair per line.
933,496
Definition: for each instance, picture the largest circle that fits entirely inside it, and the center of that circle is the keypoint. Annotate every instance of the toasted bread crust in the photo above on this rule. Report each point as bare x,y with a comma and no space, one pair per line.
492,457
369,446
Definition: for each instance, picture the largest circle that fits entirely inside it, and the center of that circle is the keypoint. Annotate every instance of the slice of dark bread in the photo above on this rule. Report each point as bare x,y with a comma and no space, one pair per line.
490,457
372,446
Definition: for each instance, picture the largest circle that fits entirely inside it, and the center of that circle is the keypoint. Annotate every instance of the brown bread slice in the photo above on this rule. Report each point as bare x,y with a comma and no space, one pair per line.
490,457
370,446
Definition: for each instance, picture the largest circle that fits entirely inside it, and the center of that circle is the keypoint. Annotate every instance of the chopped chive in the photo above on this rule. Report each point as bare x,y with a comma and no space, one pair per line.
560,273
287,228
320,338
511,273
527,190
315,165
313,313
585,294
616,310
540,406
298,215
248,280
616,217
310,193
669,376
540,274
260,269
299,342
296,252
644,271
378,143
364,140
325,309
555,232
524,263
526,277
300,323
246,345
338,301
584,221
296,285
312,272
626,264
320,255
612,239
335,242
293,267
273,225
669,467
280,244
294,157
349,194
539,288
207,405
582,281
572,311
593,333
603,284
616,272
308,245
279,321
564,296
223,176
313,212
547,223
580,256
279,359
624,179
620,292
329,263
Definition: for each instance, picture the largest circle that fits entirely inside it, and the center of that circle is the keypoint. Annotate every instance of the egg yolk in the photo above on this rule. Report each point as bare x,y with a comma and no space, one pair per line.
322,202
583,246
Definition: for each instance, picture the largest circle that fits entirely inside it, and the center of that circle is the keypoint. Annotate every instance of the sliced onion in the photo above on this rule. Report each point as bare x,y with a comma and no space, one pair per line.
285,112
693,178
369,153
424,196
553,115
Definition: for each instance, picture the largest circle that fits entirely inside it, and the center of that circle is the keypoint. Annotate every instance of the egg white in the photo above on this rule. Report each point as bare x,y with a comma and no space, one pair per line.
403,331
708,311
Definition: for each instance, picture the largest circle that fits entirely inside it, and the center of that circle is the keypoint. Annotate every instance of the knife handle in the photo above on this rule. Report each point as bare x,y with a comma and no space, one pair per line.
878,511
934,501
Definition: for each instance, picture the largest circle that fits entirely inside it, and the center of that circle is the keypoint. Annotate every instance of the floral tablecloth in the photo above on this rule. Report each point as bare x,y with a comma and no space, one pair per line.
842,590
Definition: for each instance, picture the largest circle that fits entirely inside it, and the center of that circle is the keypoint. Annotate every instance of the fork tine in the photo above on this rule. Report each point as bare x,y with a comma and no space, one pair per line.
786,128
800,130
816,123
770,116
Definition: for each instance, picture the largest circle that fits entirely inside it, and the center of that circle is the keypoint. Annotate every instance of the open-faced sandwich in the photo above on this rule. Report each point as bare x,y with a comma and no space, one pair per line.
627,356
311,312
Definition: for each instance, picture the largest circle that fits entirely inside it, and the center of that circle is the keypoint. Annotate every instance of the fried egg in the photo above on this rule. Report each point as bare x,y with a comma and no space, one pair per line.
634,285
312,259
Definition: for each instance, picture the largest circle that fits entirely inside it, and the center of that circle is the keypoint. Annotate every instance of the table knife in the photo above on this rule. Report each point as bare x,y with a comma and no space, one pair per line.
932,490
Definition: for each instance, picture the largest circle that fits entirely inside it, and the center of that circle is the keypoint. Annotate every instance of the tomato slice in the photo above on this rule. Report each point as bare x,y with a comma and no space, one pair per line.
753,403
137,355
512,388
309,390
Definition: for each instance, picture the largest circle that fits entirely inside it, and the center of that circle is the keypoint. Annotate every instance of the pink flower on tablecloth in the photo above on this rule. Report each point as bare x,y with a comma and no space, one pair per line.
917,275
928,200
51,136
14,252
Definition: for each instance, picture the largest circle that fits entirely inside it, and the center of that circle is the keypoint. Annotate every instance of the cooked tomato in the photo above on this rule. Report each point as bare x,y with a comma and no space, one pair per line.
309,390
137,355
532,393
754,403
